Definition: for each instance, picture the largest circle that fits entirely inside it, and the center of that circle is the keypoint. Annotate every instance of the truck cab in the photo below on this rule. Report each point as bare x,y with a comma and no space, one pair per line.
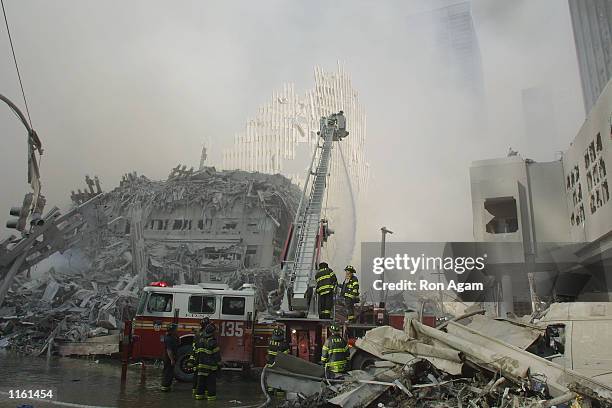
232,311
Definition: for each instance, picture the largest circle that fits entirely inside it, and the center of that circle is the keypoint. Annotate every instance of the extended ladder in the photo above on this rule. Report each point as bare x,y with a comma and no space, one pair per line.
300,267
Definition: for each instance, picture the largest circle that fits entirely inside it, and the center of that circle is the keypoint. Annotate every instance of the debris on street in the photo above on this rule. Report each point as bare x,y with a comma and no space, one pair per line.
475,362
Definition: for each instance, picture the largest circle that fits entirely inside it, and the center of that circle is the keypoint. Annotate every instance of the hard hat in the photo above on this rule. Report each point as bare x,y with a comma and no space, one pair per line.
210,330
334,328
350,268
341,112
323,265
278,332
205,322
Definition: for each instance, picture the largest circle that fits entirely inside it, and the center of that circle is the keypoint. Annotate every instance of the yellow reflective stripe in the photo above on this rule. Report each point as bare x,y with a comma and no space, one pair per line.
212,367
328,276
339,350
272,353
325,348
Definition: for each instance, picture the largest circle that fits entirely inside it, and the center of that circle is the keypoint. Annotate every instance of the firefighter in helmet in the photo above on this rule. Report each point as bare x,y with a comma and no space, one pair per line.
208,357
277,344
335,353
170,351
350,292
192,362
326,286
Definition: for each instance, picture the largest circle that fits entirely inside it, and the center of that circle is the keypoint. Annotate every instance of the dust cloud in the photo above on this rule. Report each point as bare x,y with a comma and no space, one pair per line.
119,86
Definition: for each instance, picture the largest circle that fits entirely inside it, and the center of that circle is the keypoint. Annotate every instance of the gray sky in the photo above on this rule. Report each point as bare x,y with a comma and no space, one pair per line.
117,86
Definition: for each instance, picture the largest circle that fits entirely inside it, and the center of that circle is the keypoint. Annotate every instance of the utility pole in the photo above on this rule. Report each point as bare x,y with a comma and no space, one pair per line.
384,231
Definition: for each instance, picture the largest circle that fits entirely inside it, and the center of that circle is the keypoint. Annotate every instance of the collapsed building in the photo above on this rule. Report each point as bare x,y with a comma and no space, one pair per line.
202,226
196,226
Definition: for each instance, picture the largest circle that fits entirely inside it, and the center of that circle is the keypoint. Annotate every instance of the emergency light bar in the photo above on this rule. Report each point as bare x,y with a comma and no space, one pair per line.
159,284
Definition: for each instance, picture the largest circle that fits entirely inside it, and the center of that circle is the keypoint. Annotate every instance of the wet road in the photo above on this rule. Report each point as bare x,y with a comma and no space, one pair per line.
87,382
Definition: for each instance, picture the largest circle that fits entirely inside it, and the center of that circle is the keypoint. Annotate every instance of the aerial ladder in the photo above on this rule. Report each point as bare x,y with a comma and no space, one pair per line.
309,231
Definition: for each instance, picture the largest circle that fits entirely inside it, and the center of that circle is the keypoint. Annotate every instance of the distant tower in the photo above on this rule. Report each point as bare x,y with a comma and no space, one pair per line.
457,50
592,24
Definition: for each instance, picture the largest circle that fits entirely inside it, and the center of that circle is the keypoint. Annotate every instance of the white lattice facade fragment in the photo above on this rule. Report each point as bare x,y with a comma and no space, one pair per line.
282,137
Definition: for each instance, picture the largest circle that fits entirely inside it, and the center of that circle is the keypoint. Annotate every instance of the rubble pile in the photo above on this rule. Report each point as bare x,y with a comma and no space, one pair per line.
482,362
59,308
91,301
264,280
207,188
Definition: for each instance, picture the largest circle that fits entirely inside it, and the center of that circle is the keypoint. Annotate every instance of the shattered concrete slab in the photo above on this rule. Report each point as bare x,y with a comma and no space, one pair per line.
482,363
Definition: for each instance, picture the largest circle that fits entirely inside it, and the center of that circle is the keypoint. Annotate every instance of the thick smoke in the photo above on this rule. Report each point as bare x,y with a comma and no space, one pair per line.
115,87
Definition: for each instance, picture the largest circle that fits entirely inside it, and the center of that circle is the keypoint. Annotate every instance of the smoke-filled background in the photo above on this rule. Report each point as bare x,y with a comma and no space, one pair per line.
116,86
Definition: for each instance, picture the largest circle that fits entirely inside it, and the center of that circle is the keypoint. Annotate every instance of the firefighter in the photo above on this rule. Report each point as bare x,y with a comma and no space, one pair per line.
326,286
277,344
208,357
191,362
170,351
335,353
350,292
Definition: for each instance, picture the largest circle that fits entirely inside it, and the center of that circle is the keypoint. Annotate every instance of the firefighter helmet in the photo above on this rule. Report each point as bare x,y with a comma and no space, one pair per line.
172,327
350,268
334,328
323,265
210,330
205,322
278,332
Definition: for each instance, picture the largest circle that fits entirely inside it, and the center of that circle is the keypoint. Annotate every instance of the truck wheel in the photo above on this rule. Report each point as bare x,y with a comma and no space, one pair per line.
181,371
361,360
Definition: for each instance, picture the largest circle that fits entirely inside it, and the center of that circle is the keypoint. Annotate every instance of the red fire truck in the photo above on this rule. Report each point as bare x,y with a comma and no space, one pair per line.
242,333
243,341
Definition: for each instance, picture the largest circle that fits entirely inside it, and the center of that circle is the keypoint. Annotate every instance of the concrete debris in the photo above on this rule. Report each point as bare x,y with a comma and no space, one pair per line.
480,363
196,226
205,225
61,308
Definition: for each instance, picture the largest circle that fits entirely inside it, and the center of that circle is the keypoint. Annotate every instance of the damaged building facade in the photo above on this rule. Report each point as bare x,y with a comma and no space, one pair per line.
202,226
558,213
282,137
196,226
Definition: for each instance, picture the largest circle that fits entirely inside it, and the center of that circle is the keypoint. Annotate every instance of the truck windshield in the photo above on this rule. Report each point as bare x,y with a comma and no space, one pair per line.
160,302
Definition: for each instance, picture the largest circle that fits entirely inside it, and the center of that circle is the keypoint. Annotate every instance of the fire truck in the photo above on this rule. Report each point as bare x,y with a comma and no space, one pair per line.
242,334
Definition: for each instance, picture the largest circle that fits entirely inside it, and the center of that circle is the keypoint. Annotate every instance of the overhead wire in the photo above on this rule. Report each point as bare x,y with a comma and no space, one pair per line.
8,30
